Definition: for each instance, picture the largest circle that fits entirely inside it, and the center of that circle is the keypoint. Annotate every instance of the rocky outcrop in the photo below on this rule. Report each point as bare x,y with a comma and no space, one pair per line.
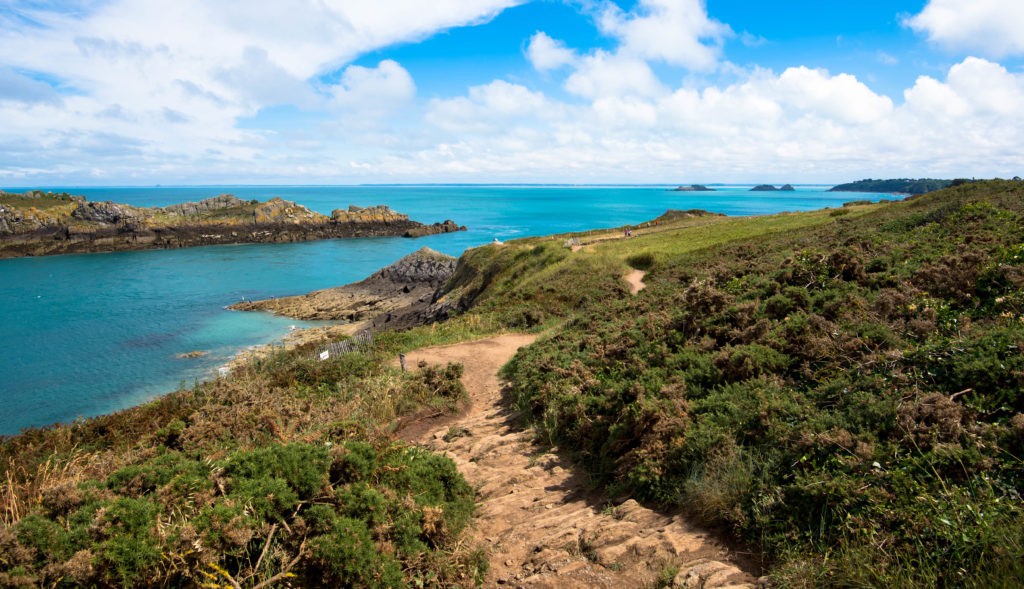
448,226
39,224
108,213
788,188
693,188
424,266
216,203
377,214
397,295
8,217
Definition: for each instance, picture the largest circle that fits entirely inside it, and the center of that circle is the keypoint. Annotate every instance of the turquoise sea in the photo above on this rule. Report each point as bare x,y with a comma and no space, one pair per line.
82,335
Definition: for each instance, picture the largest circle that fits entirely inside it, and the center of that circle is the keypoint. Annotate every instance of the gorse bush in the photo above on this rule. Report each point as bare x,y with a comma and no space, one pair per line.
346,514
283,473
848,400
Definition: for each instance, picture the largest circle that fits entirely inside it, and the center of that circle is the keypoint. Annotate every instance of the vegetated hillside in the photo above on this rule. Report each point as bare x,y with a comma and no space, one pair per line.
896,185
841,390
284,474
847,399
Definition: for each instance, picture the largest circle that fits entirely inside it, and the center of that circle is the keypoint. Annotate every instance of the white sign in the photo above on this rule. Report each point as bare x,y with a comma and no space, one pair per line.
325,354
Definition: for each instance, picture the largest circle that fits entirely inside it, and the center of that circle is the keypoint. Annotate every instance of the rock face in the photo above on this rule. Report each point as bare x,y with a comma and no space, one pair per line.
447,227
377,214
34,224
397,295
223,201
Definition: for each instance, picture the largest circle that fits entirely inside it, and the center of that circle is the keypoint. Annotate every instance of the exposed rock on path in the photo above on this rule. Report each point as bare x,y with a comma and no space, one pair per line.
541,524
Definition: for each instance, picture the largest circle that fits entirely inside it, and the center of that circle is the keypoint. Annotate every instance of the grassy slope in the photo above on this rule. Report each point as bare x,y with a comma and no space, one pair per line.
841,390
44,202
286,471
845,398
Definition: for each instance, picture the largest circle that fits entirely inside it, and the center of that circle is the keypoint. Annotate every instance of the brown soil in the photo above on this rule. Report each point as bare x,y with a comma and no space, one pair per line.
537,516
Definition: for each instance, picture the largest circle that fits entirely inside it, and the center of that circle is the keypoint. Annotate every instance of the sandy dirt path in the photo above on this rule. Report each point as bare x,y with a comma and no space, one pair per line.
538,518
635,279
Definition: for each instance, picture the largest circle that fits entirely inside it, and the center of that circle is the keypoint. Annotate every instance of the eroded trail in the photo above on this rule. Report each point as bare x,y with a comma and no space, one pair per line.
635,280
542,526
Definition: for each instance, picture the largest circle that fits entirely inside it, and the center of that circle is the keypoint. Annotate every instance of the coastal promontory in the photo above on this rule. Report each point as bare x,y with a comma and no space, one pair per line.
894,185
37,223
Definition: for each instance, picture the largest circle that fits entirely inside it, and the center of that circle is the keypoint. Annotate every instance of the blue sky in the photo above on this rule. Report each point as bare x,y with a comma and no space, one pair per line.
587,91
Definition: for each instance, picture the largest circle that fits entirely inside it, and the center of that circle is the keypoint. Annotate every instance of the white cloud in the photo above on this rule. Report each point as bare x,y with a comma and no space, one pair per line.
376,90
134,90
798,125
18,87
546,53
842,97
491,108
993,27
886,58
131,67
604,74
677,32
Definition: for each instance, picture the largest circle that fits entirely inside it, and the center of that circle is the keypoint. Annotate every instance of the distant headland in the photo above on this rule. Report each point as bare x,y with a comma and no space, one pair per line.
897,185
693,188
39,223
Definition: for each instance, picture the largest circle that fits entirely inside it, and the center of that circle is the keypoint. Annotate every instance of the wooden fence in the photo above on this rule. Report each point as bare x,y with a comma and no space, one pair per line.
335,349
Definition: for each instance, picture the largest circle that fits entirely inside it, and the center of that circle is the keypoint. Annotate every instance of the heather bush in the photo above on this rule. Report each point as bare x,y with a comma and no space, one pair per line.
847,401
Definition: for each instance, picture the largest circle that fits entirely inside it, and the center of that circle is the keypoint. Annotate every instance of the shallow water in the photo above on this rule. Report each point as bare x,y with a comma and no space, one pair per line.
82,335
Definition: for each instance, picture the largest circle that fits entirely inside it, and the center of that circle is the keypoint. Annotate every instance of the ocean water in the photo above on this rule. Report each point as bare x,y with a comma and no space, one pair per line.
83,335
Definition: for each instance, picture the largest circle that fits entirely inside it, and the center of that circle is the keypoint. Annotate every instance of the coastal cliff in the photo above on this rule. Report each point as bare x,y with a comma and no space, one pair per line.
37,223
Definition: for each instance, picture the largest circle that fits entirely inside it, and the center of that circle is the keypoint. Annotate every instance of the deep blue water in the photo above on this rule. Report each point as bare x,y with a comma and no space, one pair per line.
82,335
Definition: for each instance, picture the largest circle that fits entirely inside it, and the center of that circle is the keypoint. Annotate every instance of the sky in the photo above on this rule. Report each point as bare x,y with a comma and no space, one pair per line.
136,92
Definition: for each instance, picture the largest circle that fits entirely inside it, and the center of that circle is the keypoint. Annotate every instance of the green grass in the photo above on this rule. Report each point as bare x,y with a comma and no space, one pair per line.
46,201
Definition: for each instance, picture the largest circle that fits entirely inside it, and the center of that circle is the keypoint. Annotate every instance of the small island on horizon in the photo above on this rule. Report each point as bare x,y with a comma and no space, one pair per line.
772,188
38,223
693,188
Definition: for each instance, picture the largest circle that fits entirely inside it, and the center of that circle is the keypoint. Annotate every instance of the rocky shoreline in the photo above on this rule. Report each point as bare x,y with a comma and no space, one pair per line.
404,294
36,224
